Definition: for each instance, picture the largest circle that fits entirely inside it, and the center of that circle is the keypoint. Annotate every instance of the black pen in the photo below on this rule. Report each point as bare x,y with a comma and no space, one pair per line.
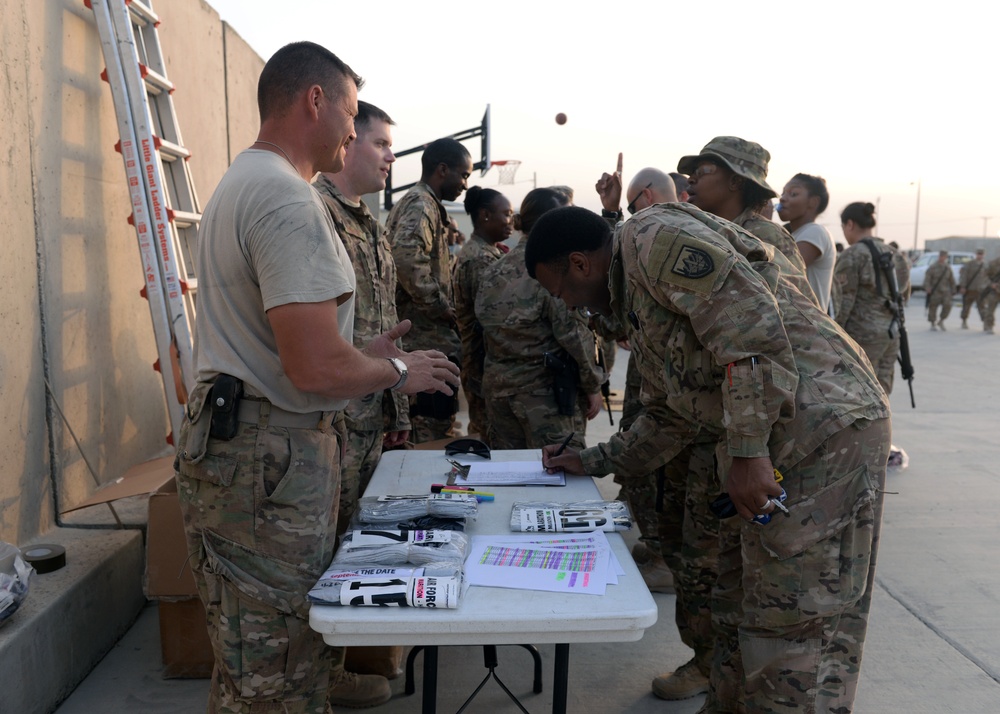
564,444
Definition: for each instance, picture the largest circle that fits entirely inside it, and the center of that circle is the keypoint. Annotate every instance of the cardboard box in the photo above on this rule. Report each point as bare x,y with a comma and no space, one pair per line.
184,642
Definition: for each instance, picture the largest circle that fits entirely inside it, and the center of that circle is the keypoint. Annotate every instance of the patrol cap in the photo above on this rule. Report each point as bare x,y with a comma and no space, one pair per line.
744,158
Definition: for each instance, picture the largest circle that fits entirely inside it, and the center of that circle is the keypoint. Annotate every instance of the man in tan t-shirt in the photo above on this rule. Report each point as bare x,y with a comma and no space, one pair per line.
258,454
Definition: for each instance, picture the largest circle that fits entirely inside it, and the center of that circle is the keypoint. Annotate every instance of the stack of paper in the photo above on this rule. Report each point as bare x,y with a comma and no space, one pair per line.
579,563
510,473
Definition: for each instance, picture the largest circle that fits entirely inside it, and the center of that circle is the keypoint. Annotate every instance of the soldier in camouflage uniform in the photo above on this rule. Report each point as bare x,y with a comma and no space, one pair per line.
939,287
258,477
726,344
417,229
377,419
992,295
520,323
729,178
671,504
972,284
492,222
864,312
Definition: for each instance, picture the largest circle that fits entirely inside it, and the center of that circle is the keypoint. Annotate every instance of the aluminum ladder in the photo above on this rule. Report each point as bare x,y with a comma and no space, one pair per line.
165,208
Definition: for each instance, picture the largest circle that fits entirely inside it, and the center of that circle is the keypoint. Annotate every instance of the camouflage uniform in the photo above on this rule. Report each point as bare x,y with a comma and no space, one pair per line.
256,563
863,311
260,509
367,418
973,282
475,257
939,287
779,237
520,322
991,294
726,345
417,229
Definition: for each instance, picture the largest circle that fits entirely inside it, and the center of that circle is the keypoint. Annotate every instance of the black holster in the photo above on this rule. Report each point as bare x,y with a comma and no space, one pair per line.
565,380
224,401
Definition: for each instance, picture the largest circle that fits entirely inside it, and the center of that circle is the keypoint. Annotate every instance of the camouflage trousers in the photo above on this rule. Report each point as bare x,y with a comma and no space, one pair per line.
935,302
882,353
362,450
989,307
478,421
530,421
792,599
260,515
977,298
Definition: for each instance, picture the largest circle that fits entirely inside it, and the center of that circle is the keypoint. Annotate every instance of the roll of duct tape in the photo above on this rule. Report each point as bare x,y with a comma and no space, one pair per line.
44,558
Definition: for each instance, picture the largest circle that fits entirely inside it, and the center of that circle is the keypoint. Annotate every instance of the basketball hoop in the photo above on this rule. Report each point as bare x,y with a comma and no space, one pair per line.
507,170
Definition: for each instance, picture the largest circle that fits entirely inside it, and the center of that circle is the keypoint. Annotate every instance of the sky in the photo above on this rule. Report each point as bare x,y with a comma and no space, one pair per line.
880,97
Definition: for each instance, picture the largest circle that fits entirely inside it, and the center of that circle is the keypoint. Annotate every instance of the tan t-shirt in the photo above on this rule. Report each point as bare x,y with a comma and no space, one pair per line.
265,240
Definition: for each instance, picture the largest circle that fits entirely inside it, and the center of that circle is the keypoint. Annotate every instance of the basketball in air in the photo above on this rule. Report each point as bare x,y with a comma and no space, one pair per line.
560,118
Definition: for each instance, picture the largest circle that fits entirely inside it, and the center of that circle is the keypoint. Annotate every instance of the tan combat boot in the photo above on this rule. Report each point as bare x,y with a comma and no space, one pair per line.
687,681
357,691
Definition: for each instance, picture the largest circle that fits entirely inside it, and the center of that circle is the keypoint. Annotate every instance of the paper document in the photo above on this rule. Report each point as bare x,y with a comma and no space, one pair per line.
580,563
511,473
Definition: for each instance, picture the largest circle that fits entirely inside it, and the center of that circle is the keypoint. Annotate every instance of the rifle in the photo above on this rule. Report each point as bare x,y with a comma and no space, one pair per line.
606,387
884,264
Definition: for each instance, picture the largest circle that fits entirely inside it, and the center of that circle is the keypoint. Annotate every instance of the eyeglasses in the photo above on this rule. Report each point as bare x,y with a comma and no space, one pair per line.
631,207
704,170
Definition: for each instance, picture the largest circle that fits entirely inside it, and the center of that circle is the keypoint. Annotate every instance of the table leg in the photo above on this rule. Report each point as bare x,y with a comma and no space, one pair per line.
429,703
560,681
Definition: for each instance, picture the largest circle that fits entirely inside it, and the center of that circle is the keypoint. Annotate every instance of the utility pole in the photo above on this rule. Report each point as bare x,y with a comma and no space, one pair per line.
916,220
985,220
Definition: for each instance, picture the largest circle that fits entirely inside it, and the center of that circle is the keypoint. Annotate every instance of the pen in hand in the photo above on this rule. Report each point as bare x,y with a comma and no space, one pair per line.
565,443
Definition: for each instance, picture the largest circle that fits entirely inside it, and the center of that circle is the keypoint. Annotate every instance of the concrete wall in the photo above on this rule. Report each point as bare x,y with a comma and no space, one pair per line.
70,275
969,244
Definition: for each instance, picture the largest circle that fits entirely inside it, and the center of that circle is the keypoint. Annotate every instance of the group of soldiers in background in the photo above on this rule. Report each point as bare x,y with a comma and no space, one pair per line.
978,284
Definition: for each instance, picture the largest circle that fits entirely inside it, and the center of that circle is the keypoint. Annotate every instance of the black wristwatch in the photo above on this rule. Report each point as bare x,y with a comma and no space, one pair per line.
400,368
616,215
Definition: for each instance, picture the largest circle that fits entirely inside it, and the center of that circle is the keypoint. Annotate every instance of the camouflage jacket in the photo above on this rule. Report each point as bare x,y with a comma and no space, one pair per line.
374,302
521,321
993,273
726,343
973,276
779,237
475,257
939,281
863,312
417,230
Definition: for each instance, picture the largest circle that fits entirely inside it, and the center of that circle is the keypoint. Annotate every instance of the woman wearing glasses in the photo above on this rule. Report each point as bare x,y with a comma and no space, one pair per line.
728,179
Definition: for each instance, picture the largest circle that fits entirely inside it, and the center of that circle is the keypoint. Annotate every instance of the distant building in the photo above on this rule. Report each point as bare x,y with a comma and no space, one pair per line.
990,245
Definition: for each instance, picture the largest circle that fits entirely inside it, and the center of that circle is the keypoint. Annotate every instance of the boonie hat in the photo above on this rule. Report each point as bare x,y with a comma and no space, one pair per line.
744,158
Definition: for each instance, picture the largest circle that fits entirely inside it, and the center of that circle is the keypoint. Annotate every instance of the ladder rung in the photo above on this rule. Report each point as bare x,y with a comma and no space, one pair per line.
183,219
155,82
190,285
142,12
169,150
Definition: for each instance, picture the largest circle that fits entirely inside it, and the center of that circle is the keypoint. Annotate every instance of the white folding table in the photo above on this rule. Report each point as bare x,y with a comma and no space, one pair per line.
494,616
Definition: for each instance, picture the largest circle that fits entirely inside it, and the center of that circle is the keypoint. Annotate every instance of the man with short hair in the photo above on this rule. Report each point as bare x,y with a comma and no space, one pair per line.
972,283
381,419
258,455
727,344
939,287
671,506
417,229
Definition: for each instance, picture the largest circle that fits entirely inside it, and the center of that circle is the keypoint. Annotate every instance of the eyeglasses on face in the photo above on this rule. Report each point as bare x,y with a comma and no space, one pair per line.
631,207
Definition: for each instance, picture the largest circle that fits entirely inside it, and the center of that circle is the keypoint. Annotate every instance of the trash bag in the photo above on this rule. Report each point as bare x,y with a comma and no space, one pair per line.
14,577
